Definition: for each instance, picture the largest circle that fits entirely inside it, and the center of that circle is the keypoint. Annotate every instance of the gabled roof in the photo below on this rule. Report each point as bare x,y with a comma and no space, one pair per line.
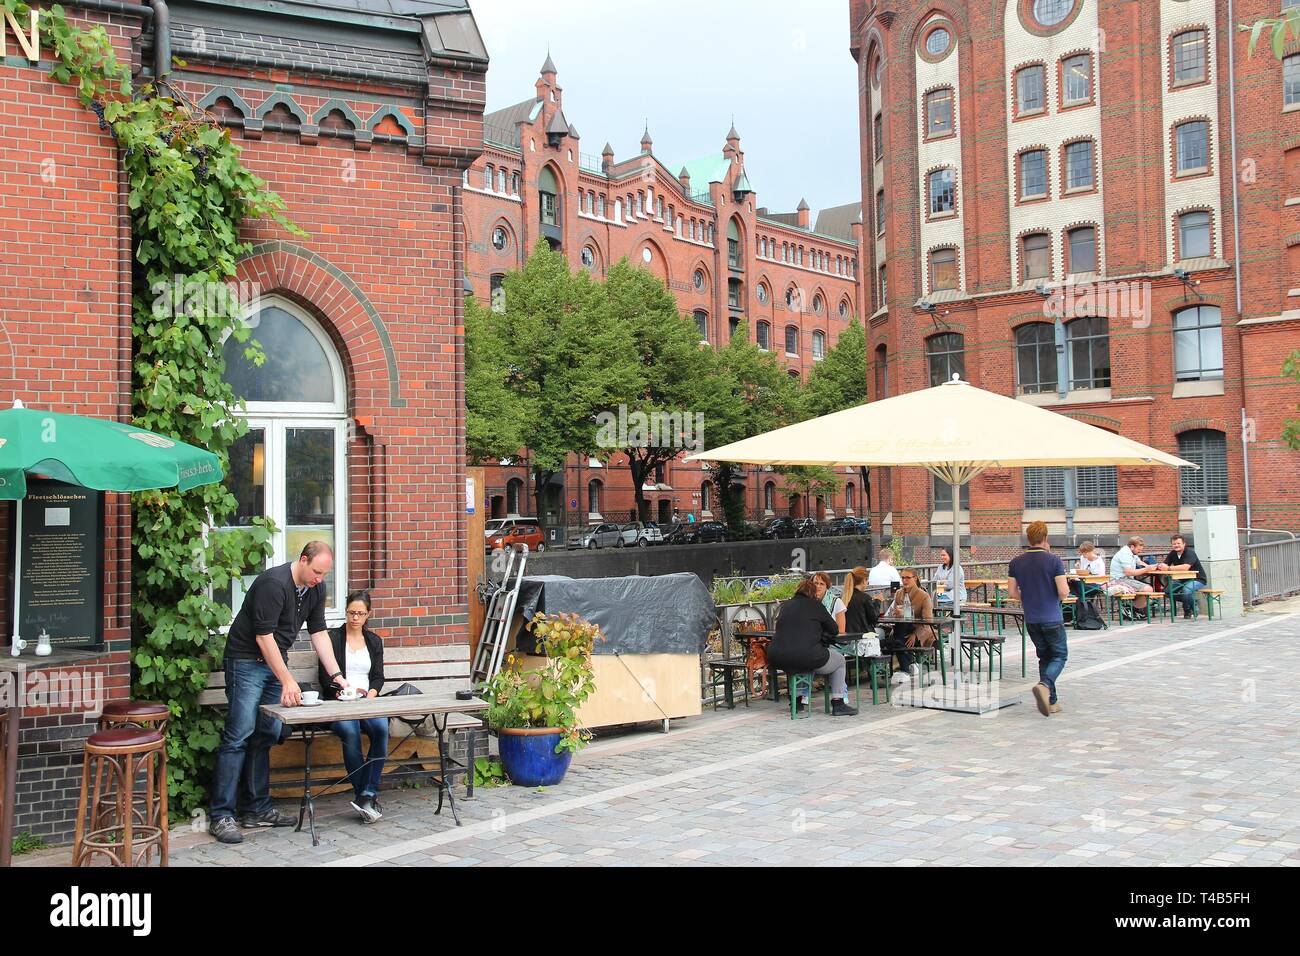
708,169
838,221
520,112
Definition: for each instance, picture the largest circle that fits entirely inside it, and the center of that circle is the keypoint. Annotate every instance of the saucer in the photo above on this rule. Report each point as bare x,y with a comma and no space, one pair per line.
315,703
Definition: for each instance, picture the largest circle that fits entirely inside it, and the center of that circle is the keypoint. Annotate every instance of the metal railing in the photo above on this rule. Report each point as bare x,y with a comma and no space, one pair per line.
501,135
591,162
1270,570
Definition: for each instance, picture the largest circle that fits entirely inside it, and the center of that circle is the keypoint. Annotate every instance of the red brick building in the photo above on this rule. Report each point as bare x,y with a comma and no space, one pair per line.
1055,215
362,115
697,226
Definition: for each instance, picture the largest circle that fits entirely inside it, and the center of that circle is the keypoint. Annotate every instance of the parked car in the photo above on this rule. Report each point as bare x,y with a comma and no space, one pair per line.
642,534
516,535
494,525
864,526
837,527
806,527
603,536
779,528
706,532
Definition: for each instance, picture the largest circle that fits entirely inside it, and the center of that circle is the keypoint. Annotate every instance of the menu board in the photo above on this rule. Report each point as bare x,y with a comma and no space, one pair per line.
62,587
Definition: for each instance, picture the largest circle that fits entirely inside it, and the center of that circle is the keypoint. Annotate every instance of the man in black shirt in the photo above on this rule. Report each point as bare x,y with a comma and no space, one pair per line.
256,663
1183,558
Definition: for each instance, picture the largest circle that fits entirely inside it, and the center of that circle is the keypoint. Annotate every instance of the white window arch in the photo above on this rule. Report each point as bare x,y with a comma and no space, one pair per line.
291,466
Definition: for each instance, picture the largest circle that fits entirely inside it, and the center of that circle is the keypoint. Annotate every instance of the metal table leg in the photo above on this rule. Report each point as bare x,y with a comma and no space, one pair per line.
444,785
307,807
7,812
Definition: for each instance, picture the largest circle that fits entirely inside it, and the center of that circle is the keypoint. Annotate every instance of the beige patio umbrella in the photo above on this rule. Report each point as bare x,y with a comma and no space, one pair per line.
955,431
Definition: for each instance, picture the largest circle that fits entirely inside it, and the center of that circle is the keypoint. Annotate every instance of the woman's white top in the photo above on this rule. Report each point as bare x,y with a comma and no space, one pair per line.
356,668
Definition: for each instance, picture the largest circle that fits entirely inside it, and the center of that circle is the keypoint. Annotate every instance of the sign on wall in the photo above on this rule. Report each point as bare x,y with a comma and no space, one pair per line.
62,587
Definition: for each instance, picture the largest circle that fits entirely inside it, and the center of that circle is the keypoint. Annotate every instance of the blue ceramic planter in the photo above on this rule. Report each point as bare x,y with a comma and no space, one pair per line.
529,757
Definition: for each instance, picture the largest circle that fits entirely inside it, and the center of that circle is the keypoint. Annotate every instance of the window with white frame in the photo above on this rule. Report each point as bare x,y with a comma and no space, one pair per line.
291,465
1198,343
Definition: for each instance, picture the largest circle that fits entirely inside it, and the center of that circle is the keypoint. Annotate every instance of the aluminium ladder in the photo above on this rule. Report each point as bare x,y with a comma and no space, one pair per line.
496,623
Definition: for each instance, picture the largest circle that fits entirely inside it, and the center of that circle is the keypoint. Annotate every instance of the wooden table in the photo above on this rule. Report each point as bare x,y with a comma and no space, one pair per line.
1016,614
983,584
14,690
1171,592
399,706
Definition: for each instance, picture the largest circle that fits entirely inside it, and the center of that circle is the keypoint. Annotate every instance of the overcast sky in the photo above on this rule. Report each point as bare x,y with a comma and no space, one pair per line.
782,68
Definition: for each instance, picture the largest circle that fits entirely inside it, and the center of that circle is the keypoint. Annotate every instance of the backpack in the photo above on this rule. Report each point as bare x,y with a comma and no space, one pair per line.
1087,617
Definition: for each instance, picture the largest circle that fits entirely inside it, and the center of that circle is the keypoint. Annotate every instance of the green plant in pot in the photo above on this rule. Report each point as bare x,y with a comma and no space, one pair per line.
534,709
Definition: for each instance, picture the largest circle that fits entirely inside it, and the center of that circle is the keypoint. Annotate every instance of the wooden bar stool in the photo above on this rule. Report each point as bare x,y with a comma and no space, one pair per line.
115,758
135,713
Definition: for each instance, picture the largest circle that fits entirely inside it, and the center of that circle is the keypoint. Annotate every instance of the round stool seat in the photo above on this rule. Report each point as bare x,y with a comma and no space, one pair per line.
124,738
120,710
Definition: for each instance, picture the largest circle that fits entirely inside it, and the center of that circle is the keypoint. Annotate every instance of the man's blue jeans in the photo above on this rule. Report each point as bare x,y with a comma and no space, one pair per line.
1185,591
364,774
1049,642
242,781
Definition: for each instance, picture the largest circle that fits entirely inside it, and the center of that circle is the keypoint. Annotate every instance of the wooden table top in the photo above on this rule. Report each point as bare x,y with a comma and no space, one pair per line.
1176,575
60,657
1090,578
408,705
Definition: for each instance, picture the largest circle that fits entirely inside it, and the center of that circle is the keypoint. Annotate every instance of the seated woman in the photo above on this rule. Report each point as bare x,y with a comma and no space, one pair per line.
799,644
830,600
861,616
361,654
907,634
952,579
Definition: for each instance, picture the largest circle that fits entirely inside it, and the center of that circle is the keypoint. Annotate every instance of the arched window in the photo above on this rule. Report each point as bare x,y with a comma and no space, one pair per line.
706,497
818,346
593,496
769,496
497,293
487,177
850,496
702,323
791,340
1081,250
764,335
1194,235
882,372
942,194
734,258
1192,147
946,355
514,495
1209,485
1198,343
938,112
943,269
548,197
291,466
1036,358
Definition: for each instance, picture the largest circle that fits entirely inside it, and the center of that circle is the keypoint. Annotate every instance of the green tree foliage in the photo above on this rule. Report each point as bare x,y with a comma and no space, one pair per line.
672,374
495,412
1291,430
759,396
189,195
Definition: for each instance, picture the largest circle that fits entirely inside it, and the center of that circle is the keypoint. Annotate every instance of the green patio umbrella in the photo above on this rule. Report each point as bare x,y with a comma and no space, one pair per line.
93,453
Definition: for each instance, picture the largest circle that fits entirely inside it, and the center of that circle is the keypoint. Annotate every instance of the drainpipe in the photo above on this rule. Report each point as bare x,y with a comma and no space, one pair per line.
157,11
1232,138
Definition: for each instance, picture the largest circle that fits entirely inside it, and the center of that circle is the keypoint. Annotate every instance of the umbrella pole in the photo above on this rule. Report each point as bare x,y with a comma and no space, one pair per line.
15,643
956,592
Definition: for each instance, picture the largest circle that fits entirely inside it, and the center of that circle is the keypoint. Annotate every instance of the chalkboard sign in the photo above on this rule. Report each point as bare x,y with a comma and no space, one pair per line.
62,588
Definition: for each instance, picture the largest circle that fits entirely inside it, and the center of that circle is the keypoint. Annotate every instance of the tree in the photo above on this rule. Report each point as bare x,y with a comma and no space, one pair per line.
808,481
759,396
494,411
563,366
1291,429
837,382
673,380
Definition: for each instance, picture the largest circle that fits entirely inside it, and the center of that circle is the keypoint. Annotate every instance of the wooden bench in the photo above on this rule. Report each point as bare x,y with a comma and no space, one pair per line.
439,669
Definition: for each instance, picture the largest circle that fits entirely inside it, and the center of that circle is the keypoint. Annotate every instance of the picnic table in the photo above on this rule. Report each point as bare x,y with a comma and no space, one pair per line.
439,707
983,584
1172,586
19,667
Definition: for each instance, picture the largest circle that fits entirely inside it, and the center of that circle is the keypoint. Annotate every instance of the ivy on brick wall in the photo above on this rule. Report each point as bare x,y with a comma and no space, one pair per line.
189,194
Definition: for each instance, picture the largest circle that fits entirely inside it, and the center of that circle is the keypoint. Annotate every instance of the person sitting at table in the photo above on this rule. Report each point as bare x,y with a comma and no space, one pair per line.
799,644
1126,572
944,574
907,634
1091,560
861,615
830,600
884,573
1183,558
362,652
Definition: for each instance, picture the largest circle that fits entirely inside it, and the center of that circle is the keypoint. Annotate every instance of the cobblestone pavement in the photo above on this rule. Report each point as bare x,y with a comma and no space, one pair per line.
1176,746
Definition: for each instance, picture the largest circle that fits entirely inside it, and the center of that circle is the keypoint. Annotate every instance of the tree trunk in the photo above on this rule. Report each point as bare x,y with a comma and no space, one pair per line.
638,469
875,525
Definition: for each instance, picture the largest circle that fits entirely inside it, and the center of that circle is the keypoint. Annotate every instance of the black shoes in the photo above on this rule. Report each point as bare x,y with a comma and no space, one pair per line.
368,808
223,829
801,707
271,818
841,708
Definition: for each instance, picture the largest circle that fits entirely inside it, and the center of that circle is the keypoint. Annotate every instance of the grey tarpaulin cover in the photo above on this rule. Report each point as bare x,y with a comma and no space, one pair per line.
664,614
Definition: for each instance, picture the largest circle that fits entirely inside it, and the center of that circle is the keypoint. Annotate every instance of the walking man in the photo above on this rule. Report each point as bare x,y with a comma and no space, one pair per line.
1037,579
256,663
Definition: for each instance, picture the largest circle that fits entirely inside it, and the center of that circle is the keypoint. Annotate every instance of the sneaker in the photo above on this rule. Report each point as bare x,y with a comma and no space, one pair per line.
801,707
224,830
1056,708
367,808
271,818
1187,615
841,708
1041,698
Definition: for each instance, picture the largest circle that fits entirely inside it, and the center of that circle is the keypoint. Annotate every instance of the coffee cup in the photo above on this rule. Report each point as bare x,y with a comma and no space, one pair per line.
311,697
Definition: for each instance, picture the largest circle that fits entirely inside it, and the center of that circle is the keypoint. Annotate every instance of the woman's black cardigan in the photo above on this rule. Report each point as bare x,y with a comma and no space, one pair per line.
802,632
338,640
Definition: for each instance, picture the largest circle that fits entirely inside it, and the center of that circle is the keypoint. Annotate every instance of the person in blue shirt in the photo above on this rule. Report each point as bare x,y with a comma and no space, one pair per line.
1037,579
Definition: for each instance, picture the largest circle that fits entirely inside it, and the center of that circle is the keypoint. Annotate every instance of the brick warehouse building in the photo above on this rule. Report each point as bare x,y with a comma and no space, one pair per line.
698,227
1013,148
362,115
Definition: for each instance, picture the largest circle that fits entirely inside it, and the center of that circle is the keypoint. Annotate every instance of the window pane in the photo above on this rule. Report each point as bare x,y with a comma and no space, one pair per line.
1077,74
1044,488
309,492
1187,355
1194,241
1212,353
939,112
1088,345
1209,485
247,478
1083,250
941,192
943,266
792,340
941,492
296,369
1036,358
1033,174
1078,165
1193,147
1189,57
1035,257
1291,80
1096,487
1030,89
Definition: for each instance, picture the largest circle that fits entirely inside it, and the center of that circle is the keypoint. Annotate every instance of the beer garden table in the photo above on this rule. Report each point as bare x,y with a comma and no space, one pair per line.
1173,587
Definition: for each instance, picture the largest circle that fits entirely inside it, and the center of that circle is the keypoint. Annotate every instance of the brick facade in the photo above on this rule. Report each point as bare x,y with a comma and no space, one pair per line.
365,133
677,227
1130,108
